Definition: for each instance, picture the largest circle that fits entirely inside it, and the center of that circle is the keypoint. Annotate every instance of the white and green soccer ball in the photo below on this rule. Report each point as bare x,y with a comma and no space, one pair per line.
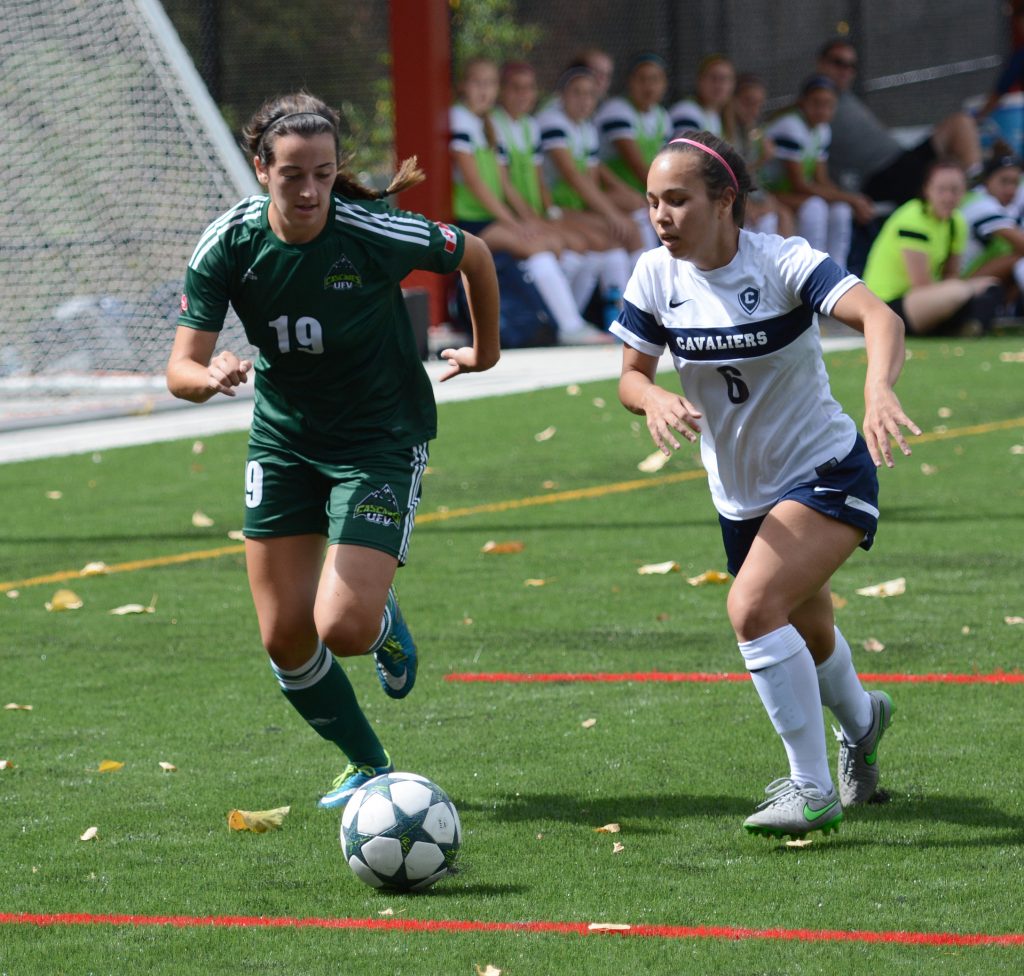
400,831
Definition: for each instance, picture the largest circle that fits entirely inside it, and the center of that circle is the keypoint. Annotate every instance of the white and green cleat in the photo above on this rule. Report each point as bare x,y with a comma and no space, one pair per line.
858,762
794,811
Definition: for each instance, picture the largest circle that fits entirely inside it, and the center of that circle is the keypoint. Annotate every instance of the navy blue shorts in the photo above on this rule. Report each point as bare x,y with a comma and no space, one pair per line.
846,490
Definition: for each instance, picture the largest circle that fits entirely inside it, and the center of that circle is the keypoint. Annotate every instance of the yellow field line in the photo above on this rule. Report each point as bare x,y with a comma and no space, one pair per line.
553,498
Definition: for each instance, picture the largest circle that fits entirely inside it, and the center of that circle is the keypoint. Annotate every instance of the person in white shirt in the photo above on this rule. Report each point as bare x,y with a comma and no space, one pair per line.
716,79
793,481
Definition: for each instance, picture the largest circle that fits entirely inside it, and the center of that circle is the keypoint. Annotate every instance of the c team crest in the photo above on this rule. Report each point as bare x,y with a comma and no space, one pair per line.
380,507
749,298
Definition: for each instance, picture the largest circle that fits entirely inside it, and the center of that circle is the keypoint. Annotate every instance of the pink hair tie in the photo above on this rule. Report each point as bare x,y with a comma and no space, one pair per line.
711,152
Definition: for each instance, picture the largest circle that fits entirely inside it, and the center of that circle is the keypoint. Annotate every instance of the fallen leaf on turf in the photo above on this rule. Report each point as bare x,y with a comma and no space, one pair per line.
237,535
659,569
201,521
55,496
109,766
135,608
573,389
945,413
535,582
488,970
94,569
258,821
1014,620
15,707
386,911
500,548
168,767
838,602
1017,449
90,834
549,484
467,621
608,927
545,435
611,828
965,630
653,462
800,842
709,576
63,600
1011,357
875,646
927,469
893,587
13,594
198,447
598,402
6,764
617,848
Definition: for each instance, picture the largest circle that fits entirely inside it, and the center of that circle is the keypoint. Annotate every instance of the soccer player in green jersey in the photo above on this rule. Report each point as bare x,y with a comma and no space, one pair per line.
343,410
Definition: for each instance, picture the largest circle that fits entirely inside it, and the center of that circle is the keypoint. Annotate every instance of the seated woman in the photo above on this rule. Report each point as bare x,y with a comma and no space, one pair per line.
798,175
716,79
995,239
914,263
485,203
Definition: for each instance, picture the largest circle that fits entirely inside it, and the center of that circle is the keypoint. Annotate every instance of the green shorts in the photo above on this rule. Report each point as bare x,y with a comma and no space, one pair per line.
372,504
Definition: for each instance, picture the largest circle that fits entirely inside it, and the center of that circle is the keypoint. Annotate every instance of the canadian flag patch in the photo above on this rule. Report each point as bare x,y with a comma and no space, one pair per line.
184,302
450,238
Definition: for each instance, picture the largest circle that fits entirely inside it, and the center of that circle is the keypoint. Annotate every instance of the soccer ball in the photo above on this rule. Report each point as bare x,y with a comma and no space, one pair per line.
400,831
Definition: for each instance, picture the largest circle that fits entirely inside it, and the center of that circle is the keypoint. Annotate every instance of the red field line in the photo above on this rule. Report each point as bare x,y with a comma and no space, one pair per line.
557,928
702,677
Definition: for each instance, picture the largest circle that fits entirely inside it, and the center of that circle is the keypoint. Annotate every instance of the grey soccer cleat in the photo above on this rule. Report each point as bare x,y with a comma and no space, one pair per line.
858,762
795,811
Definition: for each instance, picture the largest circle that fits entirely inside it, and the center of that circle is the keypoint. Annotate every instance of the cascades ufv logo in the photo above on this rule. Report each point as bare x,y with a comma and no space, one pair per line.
380,507
343,276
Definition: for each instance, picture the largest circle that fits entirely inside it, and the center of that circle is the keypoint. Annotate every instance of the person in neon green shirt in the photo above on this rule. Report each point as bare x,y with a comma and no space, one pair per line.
914,263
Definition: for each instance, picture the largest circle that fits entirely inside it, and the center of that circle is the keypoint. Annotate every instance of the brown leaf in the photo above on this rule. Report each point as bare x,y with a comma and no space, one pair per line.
198,447
168,767
549,484
488,970
15,707
55,496
236,535
501,548
13,594
1014,620
535,582
589,723
1011,357
799,842
928,469
130,608
91,833
708,576
659,569
98,568
64,600
545,435
608,927
893,587
612,828
598,402
109,766
838,602
874,646
258,821
653,462
201,521
617,848
6,764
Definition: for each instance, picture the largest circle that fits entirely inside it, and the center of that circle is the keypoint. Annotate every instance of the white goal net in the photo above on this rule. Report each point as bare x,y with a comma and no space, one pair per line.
116,159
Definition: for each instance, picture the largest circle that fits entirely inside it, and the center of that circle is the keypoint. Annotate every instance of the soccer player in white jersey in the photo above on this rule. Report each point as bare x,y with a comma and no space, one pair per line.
793,481
343,410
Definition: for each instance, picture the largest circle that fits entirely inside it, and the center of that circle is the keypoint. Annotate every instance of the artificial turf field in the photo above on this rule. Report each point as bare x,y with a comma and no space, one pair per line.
928,882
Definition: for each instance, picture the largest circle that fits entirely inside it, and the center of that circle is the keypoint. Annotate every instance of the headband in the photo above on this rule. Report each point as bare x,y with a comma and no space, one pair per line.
711,152
282,118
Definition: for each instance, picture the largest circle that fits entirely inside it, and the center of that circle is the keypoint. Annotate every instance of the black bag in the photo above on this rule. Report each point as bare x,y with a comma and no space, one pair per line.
525,319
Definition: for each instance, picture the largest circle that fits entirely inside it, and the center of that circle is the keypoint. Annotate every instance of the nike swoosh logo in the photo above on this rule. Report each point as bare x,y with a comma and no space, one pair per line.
394,682
872,756
672,304
815,814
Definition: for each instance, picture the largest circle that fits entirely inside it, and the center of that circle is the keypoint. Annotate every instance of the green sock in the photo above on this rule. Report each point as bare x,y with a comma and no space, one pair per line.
322,694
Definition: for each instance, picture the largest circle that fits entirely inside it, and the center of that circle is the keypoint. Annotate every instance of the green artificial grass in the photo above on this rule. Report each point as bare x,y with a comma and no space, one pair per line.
677,765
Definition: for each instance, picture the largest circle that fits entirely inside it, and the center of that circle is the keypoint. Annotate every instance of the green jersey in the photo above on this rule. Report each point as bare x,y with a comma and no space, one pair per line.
338,372
912,227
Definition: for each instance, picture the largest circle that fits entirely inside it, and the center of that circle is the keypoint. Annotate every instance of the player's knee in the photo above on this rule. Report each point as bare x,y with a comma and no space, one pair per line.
349,635
752,613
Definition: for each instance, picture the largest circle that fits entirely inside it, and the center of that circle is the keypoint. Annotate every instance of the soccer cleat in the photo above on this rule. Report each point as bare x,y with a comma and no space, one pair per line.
396,656
795,811
858,763
350,779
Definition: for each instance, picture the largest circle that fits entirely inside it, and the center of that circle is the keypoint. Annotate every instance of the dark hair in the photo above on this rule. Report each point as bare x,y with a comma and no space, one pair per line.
749,79
943,162
303,114
717,178
832,43
476,61
1002,157
510,68
818,83
572,72
645,57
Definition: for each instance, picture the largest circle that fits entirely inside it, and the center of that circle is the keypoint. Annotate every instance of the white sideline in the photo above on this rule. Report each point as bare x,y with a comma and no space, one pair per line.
518,371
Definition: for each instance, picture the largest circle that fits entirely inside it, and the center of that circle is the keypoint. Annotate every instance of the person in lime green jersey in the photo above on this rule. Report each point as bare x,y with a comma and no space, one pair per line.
634,127
995,238
798,173
485,202
914,262
344,410
703,111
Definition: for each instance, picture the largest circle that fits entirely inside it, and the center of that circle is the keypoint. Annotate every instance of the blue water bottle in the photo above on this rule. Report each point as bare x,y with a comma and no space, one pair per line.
612,305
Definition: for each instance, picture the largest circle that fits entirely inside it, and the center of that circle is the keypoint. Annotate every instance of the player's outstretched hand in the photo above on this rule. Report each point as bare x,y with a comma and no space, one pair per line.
462,360
884,418
669,414
226,371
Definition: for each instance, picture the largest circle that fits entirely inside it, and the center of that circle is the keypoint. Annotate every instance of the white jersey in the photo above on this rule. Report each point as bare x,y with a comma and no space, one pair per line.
467,133
520,136
690,114
618,118
984,215
558,131
745,342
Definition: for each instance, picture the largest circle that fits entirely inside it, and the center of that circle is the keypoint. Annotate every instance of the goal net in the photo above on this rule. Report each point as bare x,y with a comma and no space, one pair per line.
116,159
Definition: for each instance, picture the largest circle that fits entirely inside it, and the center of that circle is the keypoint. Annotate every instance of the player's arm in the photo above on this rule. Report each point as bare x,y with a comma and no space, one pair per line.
883,333
667,413
481,284
1013,236
195,373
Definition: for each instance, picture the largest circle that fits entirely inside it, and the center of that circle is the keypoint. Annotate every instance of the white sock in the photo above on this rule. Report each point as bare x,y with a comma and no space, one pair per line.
554,289
812,222
642,218
840,232
783,673
616,268
842,692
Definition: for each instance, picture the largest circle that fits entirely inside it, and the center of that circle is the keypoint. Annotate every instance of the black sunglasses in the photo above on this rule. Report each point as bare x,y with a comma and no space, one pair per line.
842,62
